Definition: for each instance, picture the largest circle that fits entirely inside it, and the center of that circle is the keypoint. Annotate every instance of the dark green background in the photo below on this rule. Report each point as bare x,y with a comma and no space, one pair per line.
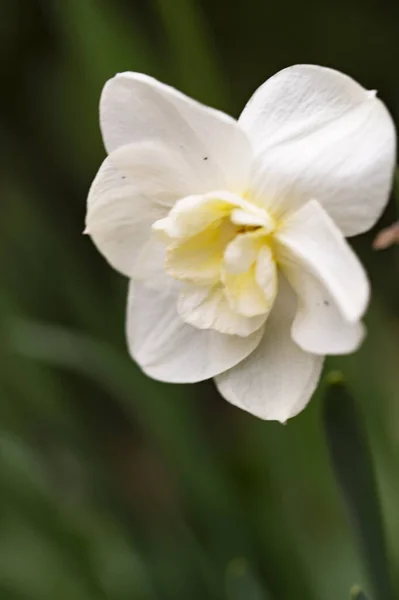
113,486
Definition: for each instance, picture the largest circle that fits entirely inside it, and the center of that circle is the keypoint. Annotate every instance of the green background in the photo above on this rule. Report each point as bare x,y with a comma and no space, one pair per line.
113,486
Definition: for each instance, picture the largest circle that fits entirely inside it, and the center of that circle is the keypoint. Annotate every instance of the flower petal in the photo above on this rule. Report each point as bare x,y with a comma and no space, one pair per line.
243,251
165,172
209,308
135,186
193,214
318,326
252,292
244,294
119,217
198,259
168,349
278,379
149,267
135,108
318,134
266,274
310,239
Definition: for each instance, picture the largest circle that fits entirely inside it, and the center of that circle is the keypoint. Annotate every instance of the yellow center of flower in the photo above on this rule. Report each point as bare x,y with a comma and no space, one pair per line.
219,244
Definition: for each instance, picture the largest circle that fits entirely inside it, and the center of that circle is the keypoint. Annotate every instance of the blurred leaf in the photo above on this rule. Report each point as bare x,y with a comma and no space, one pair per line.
242,584
192,56
36,525
164,411
357,594
353,467
102,39
98,39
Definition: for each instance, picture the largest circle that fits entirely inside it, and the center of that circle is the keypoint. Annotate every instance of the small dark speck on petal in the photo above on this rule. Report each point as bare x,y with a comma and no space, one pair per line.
205,158
326,303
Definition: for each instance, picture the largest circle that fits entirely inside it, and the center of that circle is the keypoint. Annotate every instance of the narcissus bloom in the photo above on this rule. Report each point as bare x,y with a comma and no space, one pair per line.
232,233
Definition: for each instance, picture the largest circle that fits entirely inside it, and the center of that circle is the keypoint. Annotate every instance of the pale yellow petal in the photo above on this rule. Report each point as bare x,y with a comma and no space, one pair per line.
199,258
208,308
193,214
266,274
253,292
243,251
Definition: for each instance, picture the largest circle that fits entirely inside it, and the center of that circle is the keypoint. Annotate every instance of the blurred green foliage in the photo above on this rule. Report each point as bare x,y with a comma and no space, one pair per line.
353,465
113,486
357,594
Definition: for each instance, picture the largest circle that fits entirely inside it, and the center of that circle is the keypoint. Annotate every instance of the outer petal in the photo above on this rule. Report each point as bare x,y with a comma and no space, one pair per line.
318,134
119,217
310,240
149,267
135,186
166,172
168,349
278,379
135,107
318,326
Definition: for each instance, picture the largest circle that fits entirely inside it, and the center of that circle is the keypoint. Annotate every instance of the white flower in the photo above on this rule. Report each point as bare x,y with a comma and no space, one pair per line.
232,232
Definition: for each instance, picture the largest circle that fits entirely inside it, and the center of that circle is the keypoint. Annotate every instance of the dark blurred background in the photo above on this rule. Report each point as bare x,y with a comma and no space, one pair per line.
112,486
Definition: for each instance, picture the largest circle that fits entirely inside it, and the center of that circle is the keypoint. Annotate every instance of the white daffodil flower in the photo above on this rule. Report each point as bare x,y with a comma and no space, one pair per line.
232,232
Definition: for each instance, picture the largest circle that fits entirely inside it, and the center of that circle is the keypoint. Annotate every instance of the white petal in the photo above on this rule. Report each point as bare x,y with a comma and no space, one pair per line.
318,134
135,186
318,325
310,239
209,308
119,217
149,267
162,171
135,108
278,379
168,349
